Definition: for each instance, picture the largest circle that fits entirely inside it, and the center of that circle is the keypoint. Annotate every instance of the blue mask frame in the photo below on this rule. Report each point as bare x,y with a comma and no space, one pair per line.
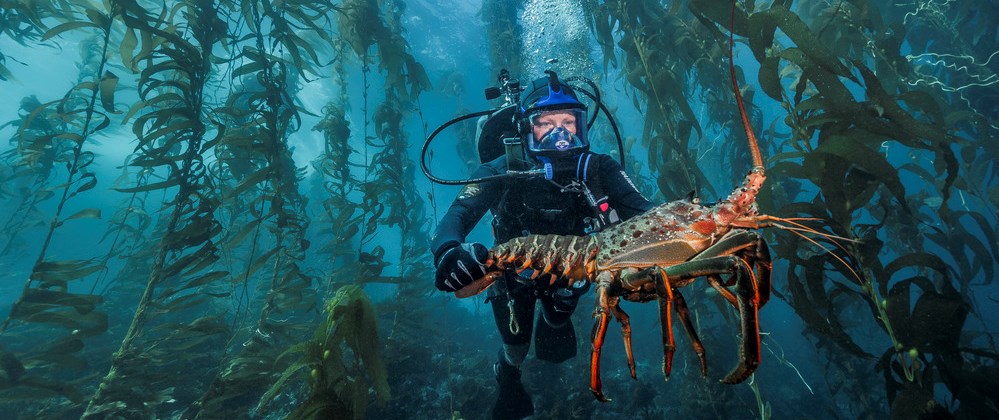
559,140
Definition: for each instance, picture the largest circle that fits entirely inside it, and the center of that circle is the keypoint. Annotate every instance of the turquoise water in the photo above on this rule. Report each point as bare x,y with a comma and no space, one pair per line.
193,228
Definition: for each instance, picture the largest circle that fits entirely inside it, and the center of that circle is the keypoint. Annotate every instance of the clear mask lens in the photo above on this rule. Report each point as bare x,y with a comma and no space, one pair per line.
558,137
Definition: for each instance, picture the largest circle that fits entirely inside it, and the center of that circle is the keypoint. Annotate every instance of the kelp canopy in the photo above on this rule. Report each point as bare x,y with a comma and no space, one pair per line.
211,208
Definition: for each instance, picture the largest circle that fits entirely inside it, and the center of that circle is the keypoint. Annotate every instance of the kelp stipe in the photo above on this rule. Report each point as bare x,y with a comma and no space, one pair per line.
340,218
27,172
255,155
650,38
505,34
127,227
173,133
47,298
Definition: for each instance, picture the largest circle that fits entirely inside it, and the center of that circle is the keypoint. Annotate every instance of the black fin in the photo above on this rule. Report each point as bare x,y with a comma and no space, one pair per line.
512,400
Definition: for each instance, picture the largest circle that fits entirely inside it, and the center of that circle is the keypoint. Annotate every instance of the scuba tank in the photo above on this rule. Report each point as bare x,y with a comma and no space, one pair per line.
497,135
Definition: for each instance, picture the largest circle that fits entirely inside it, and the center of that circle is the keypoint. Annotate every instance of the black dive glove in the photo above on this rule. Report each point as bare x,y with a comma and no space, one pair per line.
460,265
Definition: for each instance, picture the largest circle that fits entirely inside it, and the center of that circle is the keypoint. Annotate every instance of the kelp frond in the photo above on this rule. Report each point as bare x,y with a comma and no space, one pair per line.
343,362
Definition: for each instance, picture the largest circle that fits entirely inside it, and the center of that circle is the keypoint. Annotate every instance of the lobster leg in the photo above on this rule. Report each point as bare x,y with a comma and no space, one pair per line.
684,313
625,320
758,255
748,305
715,281
665,292
753,292
602,313
763,267
749,299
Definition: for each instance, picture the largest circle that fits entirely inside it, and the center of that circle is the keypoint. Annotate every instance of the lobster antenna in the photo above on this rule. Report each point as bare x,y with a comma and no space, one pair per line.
793,224
754,145
860,280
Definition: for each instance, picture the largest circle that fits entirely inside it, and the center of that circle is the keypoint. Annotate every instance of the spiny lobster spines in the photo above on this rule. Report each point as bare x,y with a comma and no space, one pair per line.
742,201
573,257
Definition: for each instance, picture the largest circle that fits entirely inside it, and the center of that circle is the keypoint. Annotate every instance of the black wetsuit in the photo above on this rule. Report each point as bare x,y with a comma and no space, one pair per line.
535,206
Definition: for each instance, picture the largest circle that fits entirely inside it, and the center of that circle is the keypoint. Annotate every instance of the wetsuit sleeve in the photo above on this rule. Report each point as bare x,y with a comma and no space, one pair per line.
621,191
465,212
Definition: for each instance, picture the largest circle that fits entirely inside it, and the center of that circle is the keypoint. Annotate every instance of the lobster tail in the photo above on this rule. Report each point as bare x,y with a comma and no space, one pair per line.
559,255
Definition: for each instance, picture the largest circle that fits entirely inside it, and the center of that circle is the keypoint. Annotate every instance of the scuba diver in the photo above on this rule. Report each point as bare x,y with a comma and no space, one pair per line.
573,192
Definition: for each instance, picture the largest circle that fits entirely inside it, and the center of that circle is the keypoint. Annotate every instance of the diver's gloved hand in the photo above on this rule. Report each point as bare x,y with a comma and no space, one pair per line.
460,266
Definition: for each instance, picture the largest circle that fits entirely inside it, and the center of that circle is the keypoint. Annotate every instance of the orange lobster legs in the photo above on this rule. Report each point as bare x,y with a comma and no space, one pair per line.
684,314
741,255
667,296
665,292
637,287
607,303
737,254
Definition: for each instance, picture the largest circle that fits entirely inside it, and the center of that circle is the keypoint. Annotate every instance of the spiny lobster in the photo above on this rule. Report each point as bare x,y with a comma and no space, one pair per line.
649,257
652,255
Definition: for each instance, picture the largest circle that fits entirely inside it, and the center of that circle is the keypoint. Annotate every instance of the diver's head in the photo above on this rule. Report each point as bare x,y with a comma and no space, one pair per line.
553,120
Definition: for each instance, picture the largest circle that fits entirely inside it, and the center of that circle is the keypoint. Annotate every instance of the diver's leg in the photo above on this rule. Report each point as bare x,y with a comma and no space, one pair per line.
513,311
555,336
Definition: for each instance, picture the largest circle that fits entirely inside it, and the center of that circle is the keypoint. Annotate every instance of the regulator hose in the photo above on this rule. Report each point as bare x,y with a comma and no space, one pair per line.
594,95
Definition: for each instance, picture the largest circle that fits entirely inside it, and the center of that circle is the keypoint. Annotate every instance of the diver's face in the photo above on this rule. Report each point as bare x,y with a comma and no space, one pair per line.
548,121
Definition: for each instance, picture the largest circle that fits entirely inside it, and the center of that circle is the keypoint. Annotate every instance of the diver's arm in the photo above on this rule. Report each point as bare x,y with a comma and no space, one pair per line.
465,212
621,191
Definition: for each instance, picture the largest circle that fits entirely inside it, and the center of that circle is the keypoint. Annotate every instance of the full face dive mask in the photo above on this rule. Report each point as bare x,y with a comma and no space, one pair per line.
558,139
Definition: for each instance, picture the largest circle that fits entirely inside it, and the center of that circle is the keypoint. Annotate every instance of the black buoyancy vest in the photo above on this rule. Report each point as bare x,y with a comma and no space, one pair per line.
538,206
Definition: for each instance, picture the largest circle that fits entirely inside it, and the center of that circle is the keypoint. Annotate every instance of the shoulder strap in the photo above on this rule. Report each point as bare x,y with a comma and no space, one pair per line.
588,175
587,168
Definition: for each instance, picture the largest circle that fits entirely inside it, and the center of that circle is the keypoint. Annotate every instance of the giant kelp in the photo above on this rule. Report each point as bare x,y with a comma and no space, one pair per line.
25,22
126,227
505,34
27,172
389,202
178,129
644,37
337,182
254,155
343,360
837,137
386,186
173,133
883,130
354,218
47,297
